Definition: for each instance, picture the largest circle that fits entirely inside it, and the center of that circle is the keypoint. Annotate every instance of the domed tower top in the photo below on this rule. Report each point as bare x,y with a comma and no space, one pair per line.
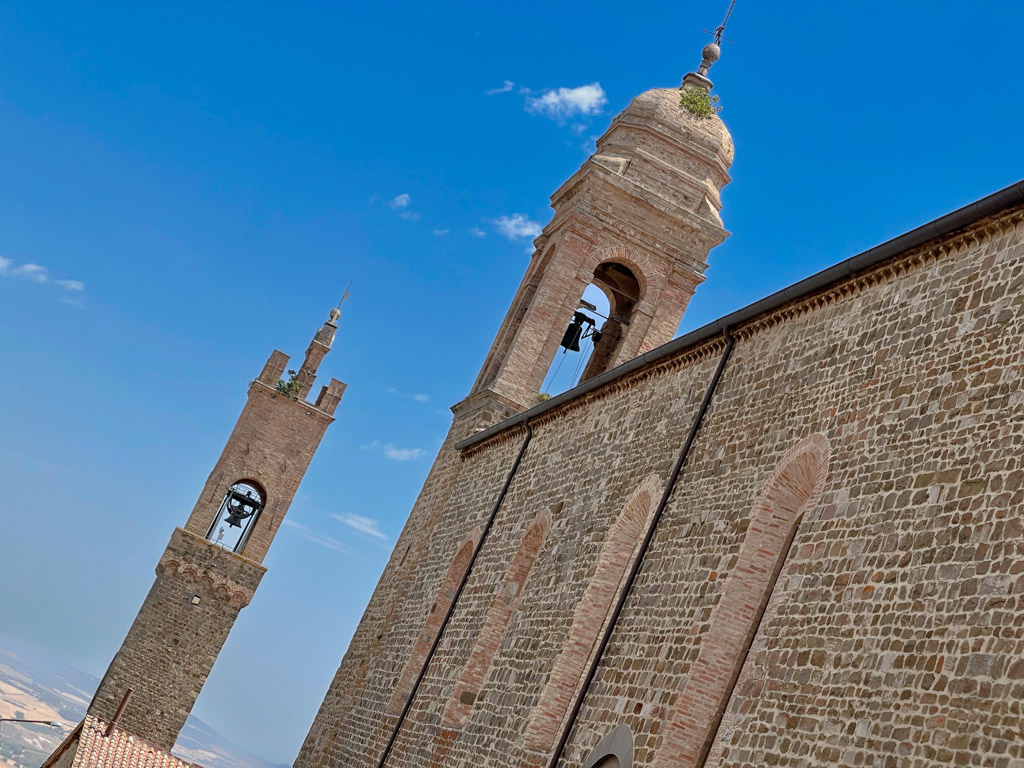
636,221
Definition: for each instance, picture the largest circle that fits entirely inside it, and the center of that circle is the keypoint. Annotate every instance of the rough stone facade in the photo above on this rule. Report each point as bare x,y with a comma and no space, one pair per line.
834,577
200,586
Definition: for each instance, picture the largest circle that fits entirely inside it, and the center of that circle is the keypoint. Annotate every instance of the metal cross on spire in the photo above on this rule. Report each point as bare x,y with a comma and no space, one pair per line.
720,29
345,297
336,312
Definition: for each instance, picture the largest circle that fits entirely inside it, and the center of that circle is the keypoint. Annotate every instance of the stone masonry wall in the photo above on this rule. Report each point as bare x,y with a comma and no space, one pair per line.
174,641
888,560
375,676
892,636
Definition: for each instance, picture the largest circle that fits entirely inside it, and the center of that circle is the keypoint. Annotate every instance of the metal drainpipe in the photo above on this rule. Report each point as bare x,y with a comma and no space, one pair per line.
644,546
455,600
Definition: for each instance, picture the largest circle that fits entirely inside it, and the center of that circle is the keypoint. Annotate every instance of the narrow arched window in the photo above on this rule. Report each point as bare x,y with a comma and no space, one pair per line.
237,515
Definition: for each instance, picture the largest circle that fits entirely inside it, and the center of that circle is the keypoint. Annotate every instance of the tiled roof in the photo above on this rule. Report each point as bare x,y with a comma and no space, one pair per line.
119,750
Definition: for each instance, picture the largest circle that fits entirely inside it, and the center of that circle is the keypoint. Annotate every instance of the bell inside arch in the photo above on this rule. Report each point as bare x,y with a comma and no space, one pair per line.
239,508
236,516
573,334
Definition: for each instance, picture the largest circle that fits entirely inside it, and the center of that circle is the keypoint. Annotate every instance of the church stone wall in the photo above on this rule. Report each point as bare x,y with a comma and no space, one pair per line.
892,636
891,633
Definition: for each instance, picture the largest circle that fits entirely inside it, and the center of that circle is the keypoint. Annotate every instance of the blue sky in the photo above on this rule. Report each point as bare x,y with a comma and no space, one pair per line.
184,188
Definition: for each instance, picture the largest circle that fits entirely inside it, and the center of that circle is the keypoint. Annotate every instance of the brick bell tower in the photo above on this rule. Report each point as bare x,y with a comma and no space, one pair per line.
637,220
212,566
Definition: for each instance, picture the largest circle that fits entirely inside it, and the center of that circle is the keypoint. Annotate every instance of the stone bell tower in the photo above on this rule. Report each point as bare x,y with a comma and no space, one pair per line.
212,566
637,220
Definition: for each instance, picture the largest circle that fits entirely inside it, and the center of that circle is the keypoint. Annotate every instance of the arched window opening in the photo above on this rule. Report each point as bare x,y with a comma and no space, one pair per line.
622,288
579,342
237,516
593,338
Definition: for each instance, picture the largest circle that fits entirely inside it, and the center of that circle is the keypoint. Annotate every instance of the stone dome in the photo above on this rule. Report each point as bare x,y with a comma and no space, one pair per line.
662,108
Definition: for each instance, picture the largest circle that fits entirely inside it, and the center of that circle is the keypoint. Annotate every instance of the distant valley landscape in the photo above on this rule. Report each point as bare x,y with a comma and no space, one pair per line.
34,686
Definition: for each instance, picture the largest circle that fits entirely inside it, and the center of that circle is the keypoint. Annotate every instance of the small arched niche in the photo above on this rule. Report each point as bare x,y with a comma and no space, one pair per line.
615,750
236,517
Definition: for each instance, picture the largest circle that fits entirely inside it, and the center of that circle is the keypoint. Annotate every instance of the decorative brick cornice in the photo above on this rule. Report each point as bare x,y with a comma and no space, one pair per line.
897,267
213,583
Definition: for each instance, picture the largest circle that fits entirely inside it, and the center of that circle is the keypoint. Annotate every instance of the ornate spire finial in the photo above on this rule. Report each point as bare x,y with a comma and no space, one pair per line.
336,312
710,54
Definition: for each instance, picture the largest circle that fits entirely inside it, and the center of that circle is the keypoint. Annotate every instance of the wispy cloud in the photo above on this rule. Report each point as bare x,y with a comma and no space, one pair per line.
419,397
318,538
517,226
440,232
37,273
561,104
365,525
33,272
506,86
477,232
403,454
401,204
393,452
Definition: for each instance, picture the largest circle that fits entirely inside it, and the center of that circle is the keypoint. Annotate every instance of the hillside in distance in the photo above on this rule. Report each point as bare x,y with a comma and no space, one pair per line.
35,686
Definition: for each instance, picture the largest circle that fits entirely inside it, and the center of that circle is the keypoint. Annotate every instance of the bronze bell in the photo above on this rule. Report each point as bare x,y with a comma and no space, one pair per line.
239,508
571,337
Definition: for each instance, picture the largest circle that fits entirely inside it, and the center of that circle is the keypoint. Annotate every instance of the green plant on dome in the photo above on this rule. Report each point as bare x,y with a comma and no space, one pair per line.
699,102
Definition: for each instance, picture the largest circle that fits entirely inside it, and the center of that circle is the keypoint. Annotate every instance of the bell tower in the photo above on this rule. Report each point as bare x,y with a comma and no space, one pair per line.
637,221
212,566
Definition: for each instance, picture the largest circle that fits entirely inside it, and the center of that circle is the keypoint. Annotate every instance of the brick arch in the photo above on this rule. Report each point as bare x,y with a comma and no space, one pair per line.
617,554
478,666
637,261
794,487
432,625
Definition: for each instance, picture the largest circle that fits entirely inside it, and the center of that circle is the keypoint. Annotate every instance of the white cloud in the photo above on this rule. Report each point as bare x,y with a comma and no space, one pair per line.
33,272
401,204
420,397
477,232
517,226
71,285
403,454
440,232
563,103
506,86
317,538
393,452
4,265
74,301
365,525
